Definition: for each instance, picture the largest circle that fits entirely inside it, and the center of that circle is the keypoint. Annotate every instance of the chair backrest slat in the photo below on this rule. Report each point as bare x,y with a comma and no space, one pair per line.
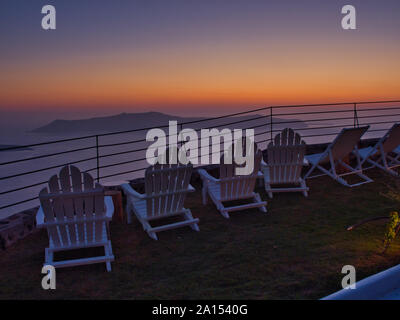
68,203
156,188
76,178
48,211
179,184
226,174
172,181
148,184
88,183
99,211
164,189
285,157
58,209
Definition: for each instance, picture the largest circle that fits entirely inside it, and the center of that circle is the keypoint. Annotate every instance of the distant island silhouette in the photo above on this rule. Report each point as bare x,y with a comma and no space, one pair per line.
132,121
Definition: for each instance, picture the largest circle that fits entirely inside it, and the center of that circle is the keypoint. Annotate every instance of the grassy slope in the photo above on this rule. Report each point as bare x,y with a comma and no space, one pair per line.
295,251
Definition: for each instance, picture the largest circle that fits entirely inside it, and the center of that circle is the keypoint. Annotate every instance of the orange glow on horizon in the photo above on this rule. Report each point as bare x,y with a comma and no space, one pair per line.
195,76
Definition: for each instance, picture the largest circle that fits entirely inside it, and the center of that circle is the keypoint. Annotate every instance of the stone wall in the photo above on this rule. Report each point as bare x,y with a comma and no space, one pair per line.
17,226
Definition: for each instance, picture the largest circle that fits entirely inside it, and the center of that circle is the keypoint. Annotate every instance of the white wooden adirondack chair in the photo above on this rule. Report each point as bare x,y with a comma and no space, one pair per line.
285,162
344,144
380,154
230,187
76,215
166,188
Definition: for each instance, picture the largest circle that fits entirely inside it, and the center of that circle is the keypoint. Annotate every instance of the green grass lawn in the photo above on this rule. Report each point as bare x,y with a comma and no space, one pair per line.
295,251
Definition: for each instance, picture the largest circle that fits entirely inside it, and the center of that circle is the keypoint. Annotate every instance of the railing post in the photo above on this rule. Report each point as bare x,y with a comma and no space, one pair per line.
180,130
97,159
180,143
270,122
356,123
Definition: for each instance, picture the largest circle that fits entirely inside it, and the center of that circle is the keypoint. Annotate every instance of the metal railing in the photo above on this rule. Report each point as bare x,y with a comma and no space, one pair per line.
121,154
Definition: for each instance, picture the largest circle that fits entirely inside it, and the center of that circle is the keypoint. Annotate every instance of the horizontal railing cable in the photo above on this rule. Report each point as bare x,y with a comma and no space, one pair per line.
47,168
360,113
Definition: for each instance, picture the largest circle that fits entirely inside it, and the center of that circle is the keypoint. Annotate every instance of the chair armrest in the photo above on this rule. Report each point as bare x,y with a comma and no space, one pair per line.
40,217
108,202
191,188
204,175
128,190
263,163
263,166
305,163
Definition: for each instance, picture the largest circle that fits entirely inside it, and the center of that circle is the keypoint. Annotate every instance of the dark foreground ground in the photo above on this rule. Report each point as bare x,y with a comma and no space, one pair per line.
295,251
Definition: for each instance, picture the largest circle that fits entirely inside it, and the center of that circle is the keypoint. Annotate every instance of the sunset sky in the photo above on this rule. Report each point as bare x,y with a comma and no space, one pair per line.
183,55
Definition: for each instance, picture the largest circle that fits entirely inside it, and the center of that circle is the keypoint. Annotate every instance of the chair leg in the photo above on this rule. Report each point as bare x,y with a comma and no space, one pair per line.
147,227
257,199
268,190
222,210
392,172
151,234
128,211
48,256
304,186
225,214
107,226
204,193
108,252
189,216
359,173
385,168
110,248
342,181
311,170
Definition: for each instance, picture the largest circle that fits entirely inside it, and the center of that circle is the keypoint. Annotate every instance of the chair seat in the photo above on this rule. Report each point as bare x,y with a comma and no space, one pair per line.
267,177
141,209
365,152
215,189
315,158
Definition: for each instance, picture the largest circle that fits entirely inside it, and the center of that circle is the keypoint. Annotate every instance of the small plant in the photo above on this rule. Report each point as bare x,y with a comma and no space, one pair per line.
392,229
393,226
